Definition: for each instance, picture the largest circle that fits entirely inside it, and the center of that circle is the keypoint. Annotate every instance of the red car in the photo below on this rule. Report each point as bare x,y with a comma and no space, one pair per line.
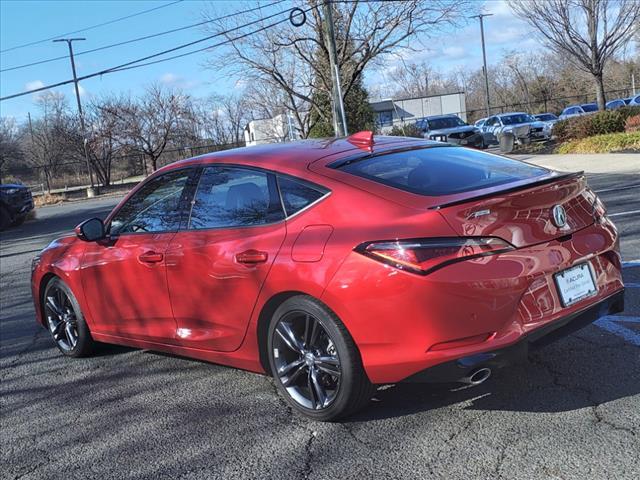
338,265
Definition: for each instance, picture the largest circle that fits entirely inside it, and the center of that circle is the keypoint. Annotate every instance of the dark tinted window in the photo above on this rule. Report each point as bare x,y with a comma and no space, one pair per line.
153,208
445,122
516,118
234,197
546,117
590,107
297,195
442,170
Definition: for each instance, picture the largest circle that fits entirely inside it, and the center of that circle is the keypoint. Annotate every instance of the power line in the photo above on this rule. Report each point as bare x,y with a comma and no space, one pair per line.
91,27
132,64
173,57
146,37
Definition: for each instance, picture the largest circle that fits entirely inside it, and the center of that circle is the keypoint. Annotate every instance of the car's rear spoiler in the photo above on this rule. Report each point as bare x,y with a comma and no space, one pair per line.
522,186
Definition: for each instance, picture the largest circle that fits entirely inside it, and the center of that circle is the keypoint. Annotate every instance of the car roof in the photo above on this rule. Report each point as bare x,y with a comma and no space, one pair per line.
448,115
511,113
294,157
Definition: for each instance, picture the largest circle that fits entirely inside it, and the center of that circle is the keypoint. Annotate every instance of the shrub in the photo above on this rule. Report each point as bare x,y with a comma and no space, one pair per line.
611,142
632,124
600,123
410,130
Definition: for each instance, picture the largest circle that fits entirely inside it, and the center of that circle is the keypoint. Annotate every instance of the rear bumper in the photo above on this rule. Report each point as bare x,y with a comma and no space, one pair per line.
413,323
456,370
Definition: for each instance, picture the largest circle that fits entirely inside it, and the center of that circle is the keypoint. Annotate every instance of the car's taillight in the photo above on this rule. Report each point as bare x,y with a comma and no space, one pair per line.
424,255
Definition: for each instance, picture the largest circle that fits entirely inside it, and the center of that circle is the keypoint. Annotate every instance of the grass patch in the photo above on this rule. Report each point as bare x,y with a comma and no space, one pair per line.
48,199
610,142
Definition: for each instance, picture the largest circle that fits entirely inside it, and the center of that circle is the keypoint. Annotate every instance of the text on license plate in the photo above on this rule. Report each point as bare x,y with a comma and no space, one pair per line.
575,283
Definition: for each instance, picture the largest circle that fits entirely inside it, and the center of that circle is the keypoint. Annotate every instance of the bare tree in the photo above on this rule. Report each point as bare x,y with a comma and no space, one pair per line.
590,32
10,147
149,125
295,59
45,140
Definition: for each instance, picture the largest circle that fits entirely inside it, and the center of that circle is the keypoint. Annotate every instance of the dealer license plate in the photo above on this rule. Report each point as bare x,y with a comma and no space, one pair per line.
575,283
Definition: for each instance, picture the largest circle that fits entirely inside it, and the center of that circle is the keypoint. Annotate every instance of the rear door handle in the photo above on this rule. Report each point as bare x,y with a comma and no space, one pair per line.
151,257
252,257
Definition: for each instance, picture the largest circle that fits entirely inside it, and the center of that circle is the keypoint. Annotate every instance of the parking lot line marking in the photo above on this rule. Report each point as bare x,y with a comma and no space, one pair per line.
611,323
630,212
632,285
616,189
631,264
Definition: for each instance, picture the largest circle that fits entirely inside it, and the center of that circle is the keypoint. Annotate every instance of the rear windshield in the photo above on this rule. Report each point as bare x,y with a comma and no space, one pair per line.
445,122
437,171
517,118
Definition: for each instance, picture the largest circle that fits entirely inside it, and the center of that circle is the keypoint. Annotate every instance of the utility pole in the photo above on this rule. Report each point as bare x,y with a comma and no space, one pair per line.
484,59
339,118
75,82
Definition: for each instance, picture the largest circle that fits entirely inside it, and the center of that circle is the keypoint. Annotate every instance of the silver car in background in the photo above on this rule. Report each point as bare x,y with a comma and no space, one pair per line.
548,119
522,126
578,110
450,129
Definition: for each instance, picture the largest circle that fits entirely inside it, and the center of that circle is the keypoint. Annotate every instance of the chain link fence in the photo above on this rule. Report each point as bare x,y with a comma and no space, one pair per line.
125,170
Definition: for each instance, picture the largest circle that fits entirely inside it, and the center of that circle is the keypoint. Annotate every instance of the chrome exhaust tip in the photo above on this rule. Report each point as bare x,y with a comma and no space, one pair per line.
477,376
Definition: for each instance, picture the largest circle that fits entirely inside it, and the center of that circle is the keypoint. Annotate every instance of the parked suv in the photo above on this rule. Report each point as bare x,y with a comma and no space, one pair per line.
15,203
451,129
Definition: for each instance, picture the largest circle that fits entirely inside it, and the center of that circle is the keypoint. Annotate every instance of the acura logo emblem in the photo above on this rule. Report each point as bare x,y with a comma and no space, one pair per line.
559,216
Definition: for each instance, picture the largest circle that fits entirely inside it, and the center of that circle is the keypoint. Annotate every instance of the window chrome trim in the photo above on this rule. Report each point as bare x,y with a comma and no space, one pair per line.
201,167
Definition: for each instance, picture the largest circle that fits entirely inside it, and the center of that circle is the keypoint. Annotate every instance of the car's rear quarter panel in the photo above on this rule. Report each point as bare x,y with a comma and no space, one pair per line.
395,317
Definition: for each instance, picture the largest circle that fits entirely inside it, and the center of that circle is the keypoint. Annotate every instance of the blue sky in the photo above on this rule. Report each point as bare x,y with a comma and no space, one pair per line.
26,21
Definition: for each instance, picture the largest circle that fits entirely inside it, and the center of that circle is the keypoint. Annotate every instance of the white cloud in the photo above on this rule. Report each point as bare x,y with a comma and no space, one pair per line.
34,84
454,52
81,90
169,78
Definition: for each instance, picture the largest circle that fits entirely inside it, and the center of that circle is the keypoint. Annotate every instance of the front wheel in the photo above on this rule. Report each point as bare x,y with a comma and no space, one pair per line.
315,363
65,321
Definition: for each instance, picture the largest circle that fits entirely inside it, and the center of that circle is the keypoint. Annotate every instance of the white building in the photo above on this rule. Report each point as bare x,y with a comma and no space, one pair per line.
402,111
388,112
269,130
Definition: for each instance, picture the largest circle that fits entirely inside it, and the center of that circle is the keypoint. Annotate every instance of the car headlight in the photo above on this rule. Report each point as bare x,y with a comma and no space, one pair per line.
35,261
11,191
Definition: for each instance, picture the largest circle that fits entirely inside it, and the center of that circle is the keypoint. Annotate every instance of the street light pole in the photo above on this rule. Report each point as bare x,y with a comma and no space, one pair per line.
484,59
339,118
75,82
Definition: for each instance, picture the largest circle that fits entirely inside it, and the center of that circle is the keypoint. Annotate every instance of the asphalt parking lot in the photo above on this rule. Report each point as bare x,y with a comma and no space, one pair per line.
572,411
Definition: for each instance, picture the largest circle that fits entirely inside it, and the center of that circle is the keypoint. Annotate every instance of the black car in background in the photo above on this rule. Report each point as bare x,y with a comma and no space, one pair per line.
452,129
15,204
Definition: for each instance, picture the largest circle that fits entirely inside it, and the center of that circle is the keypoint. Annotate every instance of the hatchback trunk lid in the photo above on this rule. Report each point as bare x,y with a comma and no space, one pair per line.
528,215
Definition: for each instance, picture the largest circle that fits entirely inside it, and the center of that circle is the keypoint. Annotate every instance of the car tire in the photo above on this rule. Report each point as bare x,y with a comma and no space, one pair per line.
5,219
65,321
328,381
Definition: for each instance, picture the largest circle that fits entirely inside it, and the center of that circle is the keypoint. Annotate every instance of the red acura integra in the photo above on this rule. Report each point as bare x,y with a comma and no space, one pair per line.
338,265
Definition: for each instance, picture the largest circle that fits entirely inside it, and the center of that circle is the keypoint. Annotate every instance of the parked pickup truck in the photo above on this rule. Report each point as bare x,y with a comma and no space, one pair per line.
15,203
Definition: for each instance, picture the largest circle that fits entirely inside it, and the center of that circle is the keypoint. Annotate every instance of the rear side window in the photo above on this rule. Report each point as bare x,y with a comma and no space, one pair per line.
297,195
438,171
234,197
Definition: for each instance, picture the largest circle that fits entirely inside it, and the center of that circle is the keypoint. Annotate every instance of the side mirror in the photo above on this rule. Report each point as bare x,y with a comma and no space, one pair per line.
91,230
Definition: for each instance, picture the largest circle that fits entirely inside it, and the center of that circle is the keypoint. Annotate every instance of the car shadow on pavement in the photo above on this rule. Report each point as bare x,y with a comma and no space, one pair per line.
582,371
